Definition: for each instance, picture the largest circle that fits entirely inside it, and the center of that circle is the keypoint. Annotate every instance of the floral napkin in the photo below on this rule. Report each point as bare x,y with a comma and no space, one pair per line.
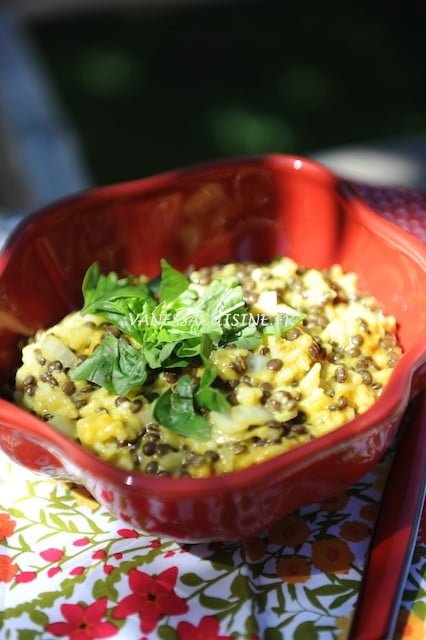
68,569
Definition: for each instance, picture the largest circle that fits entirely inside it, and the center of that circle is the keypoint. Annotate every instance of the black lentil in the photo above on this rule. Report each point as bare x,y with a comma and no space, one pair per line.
342,402
354,352
68,387
299,429
151,468
153,426
136,406
152,436
56,365
366,376
341,374
149,448
239,365
363,362
293,334
211,455
170,377
275,364
274,405
163,449
315,351
232,399
274,424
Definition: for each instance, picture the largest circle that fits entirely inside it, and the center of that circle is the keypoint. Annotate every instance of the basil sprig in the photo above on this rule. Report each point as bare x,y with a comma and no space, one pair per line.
114,365
169,323
176,408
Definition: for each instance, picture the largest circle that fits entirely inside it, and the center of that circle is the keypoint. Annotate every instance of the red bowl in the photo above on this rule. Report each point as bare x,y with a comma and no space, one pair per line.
245,209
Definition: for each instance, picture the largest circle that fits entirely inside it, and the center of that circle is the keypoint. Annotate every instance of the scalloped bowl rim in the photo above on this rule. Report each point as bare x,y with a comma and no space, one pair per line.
393,399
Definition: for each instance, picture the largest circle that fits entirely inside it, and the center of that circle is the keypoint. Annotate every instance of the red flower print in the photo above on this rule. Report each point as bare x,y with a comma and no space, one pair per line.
99,555
108,568
53,571
155,544
128,533
7,525
77,571
207,629
83,622
152,597
7,569
52,555
81,542
26,576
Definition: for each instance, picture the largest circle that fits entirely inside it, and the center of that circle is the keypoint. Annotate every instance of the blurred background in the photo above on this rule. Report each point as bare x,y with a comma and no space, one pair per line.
97,91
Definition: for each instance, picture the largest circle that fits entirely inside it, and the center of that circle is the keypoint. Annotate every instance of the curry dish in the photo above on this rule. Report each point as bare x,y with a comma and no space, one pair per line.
212,371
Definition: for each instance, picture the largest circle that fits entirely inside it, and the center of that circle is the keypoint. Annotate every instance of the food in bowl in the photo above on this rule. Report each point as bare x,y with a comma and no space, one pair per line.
211,371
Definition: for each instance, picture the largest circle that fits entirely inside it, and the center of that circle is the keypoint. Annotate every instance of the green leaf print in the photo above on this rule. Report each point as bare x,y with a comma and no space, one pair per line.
38,617
191,579
213,603
306,630
271,633
166,633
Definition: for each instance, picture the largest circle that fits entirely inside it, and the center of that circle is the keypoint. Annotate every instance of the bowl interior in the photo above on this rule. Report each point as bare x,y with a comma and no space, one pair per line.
241,210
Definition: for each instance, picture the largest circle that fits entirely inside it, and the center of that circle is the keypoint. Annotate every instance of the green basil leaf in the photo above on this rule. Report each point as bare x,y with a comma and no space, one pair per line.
247,337
212,399
206,396
101,292
114,365
172,284
175,410
283,322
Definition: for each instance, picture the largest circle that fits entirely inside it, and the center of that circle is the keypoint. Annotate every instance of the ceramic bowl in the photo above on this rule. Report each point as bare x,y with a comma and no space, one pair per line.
245,209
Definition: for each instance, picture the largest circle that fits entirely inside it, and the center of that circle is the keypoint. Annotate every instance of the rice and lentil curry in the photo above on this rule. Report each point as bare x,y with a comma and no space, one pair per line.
216,370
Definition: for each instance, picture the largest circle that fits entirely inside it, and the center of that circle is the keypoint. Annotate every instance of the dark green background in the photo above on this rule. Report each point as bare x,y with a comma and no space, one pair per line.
151,89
